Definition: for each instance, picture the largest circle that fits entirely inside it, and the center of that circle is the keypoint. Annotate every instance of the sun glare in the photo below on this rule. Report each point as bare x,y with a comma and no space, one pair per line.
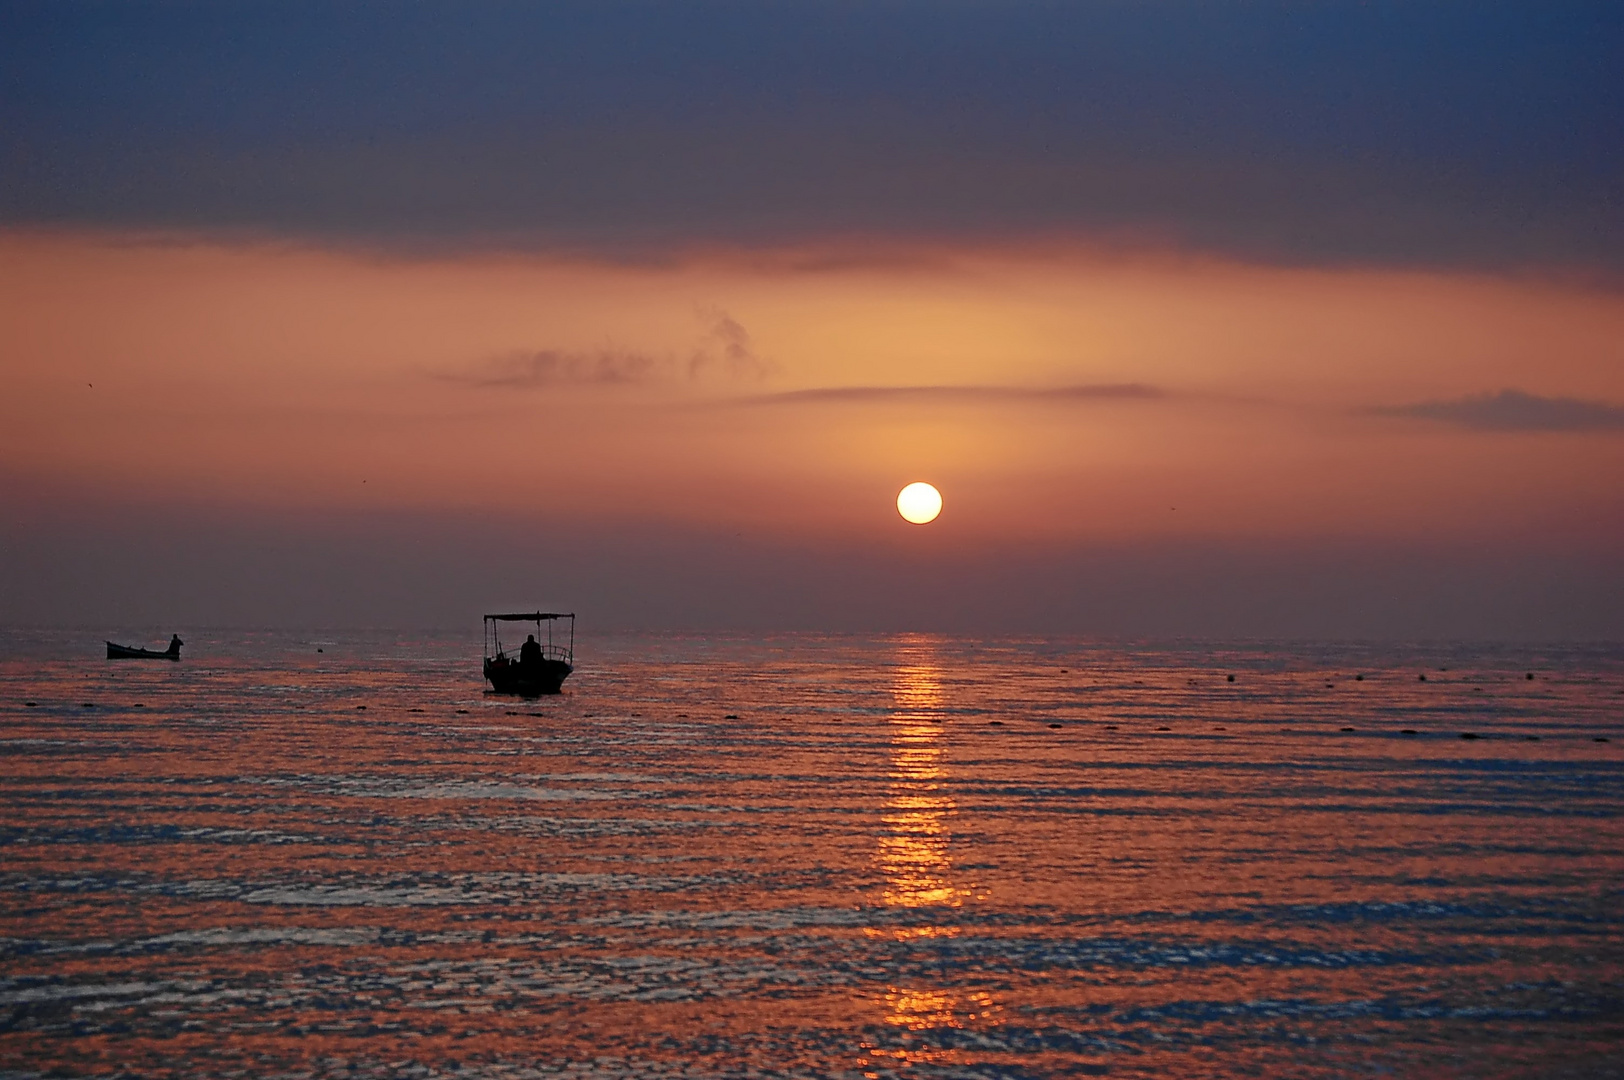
919,503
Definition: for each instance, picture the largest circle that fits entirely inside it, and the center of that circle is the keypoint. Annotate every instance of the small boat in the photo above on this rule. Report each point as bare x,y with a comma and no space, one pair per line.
540,666
127,652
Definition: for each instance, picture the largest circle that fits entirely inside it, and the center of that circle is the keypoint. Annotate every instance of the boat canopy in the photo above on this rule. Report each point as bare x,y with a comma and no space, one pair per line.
530,616
562,649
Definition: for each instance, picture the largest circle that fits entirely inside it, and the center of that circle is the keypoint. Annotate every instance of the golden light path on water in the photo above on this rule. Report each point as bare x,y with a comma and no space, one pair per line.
916,860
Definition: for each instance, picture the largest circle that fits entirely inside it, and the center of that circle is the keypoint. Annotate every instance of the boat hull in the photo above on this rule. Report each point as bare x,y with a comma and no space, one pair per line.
527,680
125,652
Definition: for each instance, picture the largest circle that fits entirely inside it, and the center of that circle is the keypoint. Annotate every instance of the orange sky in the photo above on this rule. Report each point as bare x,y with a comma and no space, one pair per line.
277,376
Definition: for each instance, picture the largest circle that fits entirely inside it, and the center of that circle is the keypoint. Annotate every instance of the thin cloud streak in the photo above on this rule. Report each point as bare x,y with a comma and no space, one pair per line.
1514,410
551,367
969,395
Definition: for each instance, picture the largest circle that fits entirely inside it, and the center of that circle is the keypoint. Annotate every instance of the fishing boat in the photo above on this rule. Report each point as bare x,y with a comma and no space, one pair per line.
129,652
540,664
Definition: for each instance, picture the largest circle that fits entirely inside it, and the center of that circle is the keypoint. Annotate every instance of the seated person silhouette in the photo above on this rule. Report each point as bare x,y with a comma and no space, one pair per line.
530,652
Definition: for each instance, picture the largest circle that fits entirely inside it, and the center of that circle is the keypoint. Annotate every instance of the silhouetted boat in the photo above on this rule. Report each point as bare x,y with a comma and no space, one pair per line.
127,652
540,667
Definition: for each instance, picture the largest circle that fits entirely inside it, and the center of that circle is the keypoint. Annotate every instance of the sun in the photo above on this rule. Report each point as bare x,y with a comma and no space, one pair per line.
919,503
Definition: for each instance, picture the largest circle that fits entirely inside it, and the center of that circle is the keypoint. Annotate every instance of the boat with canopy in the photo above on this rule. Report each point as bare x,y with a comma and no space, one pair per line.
542,662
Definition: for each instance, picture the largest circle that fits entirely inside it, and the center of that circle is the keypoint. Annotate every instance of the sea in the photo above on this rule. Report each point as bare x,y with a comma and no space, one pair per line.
333,854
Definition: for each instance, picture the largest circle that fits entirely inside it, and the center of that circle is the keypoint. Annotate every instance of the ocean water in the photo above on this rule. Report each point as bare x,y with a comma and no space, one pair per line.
811,856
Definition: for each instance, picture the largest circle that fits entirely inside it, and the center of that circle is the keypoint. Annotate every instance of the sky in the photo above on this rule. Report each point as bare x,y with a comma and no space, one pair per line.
1296,320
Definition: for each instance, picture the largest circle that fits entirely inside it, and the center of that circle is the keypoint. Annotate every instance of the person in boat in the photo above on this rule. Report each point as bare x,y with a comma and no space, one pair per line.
530,651
174,644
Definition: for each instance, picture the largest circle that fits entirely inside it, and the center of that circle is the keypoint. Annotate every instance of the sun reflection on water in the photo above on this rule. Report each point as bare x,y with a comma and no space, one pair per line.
914,856
913,852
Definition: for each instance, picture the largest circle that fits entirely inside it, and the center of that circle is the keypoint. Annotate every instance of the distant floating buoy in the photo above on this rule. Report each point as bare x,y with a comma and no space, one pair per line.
1232,678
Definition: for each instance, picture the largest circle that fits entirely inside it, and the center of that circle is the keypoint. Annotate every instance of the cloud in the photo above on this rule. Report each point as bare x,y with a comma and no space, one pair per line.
724,351
549,367
727,349
642,128
1513,410
968,395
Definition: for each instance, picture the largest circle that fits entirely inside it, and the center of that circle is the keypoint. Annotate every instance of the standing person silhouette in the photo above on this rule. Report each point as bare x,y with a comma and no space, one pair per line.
530,652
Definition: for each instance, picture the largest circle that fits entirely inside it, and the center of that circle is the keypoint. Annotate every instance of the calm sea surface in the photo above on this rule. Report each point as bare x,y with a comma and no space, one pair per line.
810,856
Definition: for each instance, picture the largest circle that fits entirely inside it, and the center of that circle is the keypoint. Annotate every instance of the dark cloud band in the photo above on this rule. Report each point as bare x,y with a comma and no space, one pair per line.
1333,132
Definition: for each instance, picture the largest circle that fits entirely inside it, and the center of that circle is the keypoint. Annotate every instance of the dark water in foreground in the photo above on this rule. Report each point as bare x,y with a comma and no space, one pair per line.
804,856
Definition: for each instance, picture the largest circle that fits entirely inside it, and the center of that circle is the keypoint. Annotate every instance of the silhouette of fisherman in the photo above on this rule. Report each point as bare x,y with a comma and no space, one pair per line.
529,652
174,644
